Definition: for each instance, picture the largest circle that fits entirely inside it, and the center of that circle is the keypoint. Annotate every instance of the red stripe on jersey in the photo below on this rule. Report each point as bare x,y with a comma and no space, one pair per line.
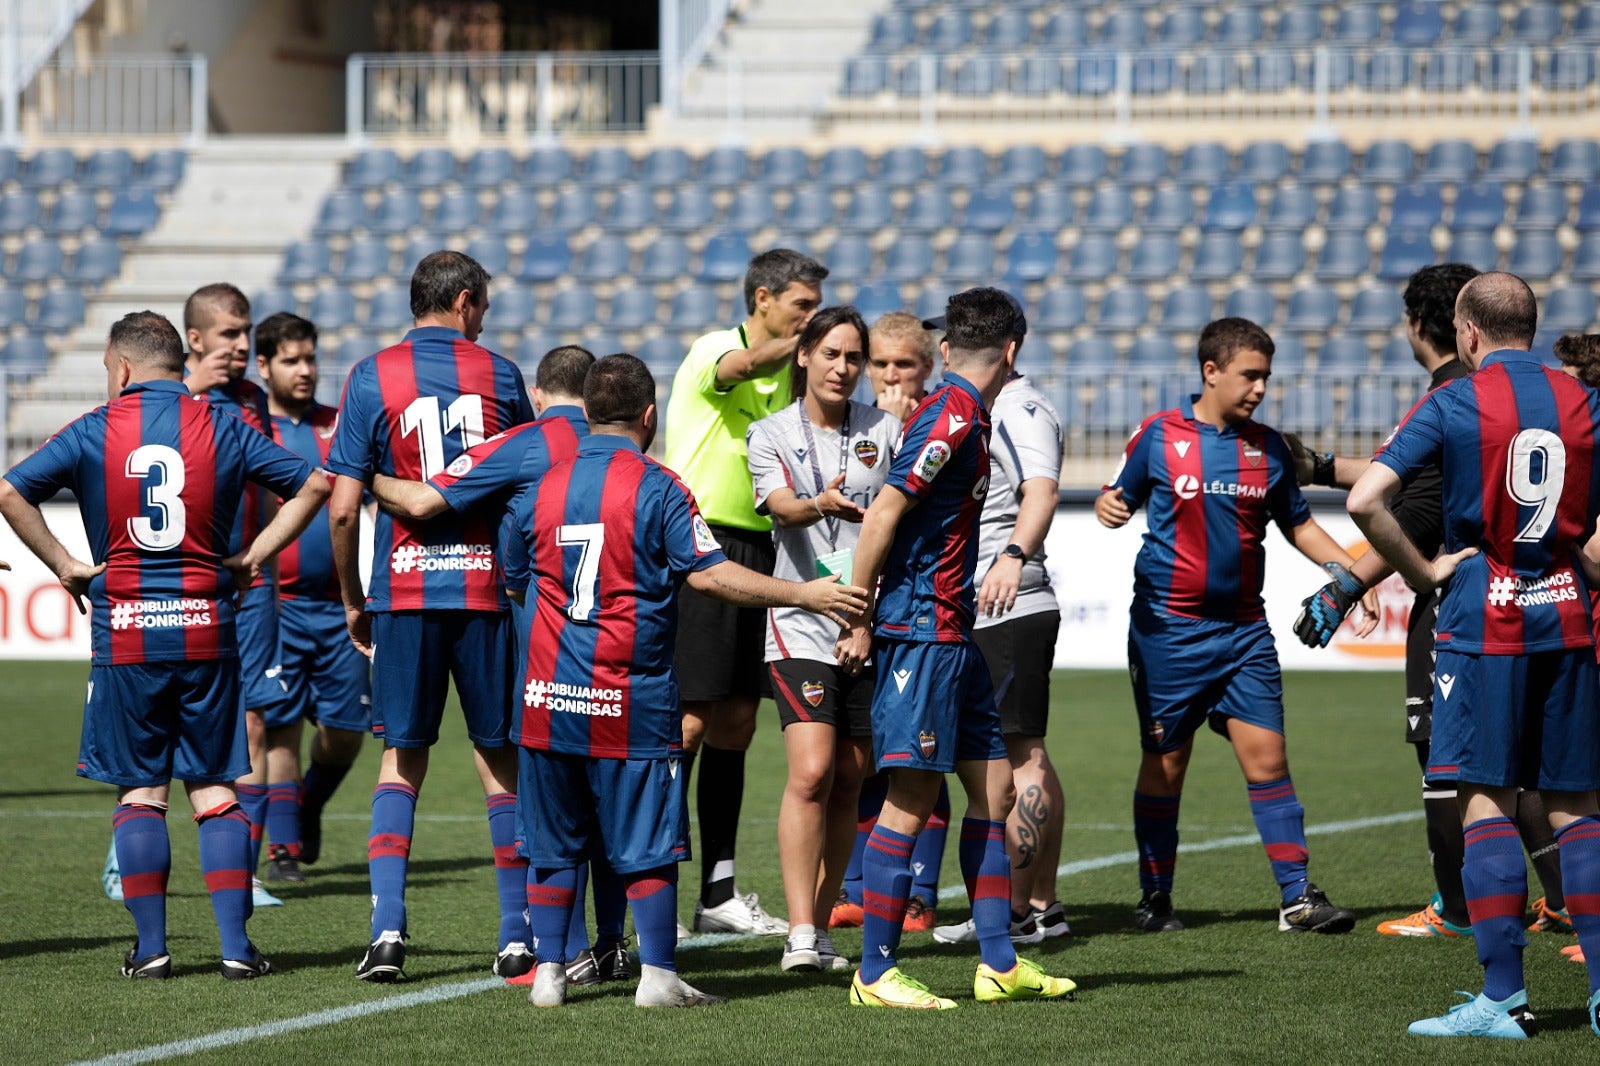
124,501
1187,594
1577,432
616,605
544,647
1251,506
1498,423
396,374
197,443
475,377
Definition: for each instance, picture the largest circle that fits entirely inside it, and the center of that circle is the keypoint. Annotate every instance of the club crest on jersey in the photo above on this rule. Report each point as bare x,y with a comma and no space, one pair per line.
932,459
927,743
867,453
462,464
703,540
812,691
1252,453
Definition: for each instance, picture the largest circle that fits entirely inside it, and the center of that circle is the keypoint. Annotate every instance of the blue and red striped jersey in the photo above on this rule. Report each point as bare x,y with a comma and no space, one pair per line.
410,411
927,592
605,541
1516,443
497,472
159,476
247,401
305,568
1207,494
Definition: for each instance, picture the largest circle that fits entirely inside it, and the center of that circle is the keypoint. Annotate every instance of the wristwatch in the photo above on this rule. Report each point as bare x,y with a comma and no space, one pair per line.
1014,551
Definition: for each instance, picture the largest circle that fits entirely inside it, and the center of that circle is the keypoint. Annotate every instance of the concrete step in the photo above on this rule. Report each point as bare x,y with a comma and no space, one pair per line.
161,271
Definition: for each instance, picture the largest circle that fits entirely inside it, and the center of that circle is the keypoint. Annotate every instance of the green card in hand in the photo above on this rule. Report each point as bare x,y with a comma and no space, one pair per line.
836,563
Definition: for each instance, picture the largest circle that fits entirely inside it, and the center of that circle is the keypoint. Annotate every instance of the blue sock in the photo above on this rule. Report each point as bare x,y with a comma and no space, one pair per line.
987,871
927,855
510,869
874,790
144,854
578,925
1155,831
1580,884
224,858
611,903
321,782
885,888
654,895
1495,876
550,893
1281,821
283,816
253,801
394,814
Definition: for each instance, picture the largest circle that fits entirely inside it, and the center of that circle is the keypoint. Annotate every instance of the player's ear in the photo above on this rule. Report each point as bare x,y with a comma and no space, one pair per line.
193,336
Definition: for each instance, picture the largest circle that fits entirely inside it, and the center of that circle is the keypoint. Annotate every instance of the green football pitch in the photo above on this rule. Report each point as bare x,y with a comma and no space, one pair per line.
1229,988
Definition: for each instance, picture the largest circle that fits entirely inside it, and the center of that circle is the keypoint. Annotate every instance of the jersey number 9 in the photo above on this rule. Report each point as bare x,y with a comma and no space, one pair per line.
1536,450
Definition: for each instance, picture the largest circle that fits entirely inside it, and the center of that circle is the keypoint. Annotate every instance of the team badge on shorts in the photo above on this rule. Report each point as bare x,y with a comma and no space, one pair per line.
812,691
1252,453
1156,731
867,453
928,743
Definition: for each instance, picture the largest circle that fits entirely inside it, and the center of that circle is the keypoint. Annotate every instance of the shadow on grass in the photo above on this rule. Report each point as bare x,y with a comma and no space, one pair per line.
1102,919
100,791
20,949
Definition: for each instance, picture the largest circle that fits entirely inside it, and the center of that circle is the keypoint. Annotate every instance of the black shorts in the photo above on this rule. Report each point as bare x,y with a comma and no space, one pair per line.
721,648
810,691
1020,653
1419,668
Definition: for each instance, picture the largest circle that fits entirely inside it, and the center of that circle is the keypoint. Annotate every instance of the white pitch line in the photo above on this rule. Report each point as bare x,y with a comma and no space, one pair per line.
441,993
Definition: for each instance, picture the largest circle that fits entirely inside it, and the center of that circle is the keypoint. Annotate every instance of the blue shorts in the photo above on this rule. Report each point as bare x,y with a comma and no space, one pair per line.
572,808
415,654
933,707
261,686
1527,720
328,679
1188,670
145,724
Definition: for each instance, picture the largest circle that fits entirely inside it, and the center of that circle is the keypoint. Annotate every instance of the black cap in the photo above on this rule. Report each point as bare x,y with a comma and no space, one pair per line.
1022,319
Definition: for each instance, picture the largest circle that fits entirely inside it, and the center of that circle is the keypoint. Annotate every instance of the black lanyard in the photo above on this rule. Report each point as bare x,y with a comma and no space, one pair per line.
816,468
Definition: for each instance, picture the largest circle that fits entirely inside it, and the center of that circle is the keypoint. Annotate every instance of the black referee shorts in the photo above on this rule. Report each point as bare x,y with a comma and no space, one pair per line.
721,648
1020,653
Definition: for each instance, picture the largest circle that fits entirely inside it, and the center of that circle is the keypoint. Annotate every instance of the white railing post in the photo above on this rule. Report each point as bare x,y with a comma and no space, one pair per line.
1321,83
544,106
929,71
1525,89
199,99
734,90
355,99
11,77
1122,93
671,57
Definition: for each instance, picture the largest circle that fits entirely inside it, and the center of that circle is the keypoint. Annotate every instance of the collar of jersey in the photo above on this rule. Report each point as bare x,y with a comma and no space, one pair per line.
571,412
1511,355
607,442
428,333
965,386
1186,409
157,385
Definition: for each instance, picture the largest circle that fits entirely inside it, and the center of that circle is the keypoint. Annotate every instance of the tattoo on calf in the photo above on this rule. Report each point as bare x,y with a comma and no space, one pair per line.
1032,810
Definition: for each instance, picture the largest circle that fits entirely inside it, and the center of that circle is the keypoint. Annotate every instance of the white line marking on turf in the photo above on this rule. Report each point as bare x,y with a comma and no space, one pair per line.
441,993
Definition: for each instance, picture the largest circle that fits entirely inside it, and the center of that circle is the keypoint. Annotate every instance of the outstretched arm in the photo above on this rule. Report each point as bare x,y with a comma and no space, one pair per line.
877,533
408,499
344,521
743,587
290,520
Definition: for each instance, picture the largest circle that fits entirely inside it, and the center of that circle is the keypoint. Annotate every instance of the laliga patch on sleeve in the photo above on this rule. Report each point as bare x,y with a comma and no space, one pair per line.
932,460
704,542
462,464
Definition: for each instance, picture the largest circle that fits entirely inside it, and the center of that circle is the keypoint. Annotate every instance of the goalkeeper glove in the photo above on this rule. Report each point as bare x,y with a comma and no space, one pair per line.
1324,610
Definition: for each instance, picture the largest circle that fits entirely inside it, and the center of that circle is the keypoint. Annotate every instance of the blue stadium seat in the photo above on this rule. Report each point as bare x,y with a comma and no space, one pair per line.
1218,257
133,213
1240,26
607,166
1092,258
390,308
163,169
850,259
751,208
572,308
965,167
548,257
930,210
1051,208
1066,30
694,308
1123,28
1153,351
1396,353
1419,205
272,300
430,168
1586,260
989,210
1512,161
1476,23
1313,309
877,299
892,32
724,258
1269,72
901,166
1588,209
25,356
865,76
1569,70
665,168
1008,31
1542,207
340,214
1376,309
549,165
456,212
1042,76
1110,208
73,213
911,73
785,167
1569,309
663,354
1182,27
96,261
1450,160
1204,163
1153,75
664,259
725,166
633,208
1449,70
1289,357
1293,207
351,352
1325,161
1537,23
1474,248
632,308
1344,352
1417,24
1505,71
1083,164
1376,406
949,31
1154,258
107,168
810,210
1356,24
61,309
1279,257
1404,253
980,75
574,208
1301,24
607,259
1536,255
930,302
49,169
332,309
1031,256
1344,257
842,168
1142,164
489,168
910,259
1586,24
489,249
1254,302
690,211
1186,309
1388,161
1171,208
1231,207
364,259
396,212
517,211
1263,163
1479,206
1354,207
795,242
971,255
1059,308
372,169
304,261
1117,405
1390,70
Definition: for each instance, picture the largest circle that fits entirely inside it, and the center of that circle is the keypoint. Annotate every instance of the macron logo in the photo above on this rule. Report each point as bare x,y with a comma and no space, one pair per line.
1181,447
900,679
1446,683
957,423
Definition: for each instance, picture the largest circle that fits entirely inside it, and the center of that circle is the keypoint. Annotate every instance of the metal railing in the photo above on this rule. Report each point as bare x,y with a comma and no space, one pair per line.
30,33
537,94
122,95
688,30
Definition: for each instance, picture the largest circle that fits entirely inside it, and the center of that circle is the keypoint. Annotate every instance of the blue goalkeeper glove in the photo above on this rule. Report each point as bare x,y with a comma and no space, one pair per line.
1324,610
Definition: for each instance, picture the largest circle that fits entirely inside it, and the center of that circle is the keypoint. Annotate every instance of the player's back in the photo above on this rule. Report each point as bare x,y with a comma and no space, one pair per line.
305,567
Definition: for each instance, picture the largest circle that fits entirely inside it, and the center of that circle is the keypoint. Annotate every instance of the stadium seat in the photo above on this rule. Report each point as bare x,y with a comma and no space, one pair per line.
1570,69
1325,161
1279,257
1586,24
61,309
1083,164
1354,207
1396,354
1154,258
1186,309
50,168
107,168
1505,71
548,257
1474,248
1344,353
850,259
963,167
1587,221
901,166
1153,75
1479,206
1263,163
980,75
842,168
340,214
1313,309
416,249
456,212
1289,357
1417,24
1031,256
1110,208
724,258
930,302
892,32
1117,405
1542,207
1231,207
1059,308
1476,23
1300,24
1586,260
430,168
548,165
1142,164
989,210
489,168
72,213
1153,351
607,167
810,210
25,356
724,167
334,309
96,261
372,169
1240,26
397,212
1123,28
751,208
911,259
1171,208
1066,30
691,210
1219,256
865,76
133,213
1376,309
304,261
1390,70
272,300
1092,258
665,168
607,259
785,167
1021,164
632,209
1569,309
1537,254
632,308
949,32
1182,27
971,255
572,308
517,212
1417,206
877,299
1388,161
391,307
1293,208
489,249
163,169
1050,209
664,259
694,308
1269,72
1450,160
1211,73
1356,24
663,354
364,259
930,210
1344,257
1512,161
1254,302
1536,23
1376,406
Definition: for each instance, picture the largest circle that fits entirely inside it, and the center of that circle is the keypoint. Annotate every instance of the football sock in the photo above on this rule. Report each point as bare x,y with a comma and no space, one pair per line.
224,859
987,870
654,895
1534,826
611,903
927,855
578,924
322,780
1496,880
1445,849
510,869
253,801
1155,833
283,815
1281,821
885,888
394,813
718,799
874,790
1580,872
550,897
144,854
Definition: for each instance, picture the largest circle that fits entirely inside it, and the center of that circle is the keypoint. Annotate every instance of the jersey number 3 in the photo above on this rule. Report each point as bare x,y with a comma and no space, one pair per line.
1536,451
164,531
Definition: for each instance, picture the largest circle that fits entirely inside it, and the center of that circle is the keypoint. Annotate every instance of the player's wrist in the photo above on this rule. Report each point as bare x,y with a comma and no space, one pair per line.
1322,469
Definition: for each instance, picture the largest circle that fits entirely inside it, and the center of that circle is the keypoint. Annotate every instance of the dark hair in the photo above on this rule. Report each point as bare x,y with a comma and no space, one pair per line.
617,390
1581,351
777,270
219,295
562,370
1430,300
823,323
441,277
980,320
1225,338
1502,306
147,339
273,330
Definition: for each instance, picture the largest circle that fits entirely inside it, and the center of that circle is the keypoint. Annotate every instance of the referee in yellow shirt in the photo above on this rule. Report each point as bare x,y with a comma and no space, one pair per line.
730,379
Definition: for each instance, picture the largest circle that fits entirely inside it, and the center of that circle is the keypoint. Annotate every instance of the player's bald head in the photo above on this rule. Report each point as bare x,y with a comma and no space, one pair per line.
206,302
618,390
148,342
1502,308
563,370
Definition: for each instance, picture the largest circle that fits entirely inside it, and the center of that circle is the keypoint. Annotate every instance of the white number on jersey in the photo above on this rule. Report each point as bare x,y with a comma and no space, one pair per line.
590,537
422,416
163,496
1544,494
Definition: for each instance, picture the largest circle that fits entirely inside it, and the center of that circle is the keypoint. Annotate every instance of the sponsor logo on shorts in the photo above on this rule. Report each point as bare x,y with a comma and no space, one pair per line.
928,743
867,453
410,558
900,679
161,614
1554,588
462,464
573,699
812,691
703,540
1446,683
932,460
